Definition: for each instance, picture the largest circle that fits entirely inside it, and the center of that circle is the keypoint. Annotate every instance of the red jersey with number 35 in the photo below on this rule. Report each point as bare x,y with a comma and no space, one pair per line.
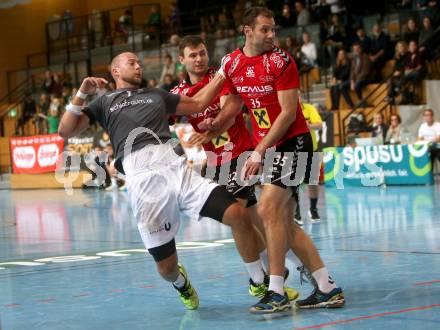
257,79
235,140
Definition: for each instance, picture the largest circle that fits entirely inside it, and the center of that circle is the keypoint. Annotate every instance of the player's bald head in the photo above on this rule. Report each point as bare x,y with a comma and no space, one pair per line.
119,58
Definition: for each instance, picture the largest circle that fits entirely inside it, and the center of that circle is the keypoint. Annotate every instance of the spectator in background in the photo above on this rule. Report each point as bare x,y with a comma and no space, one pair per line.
175,19
414,69
48,82
425,34
360,75
420,4
302,14
57,86
380,43
232,39
405,4
308,48
379,128
335,37
429,131
169,67
393,133
225,18
53,117
154,22
410,31
152,83
321,10
221,45
168,82
396,81
433,12
294,50
363,40
126,21
287,18
29,110
341,73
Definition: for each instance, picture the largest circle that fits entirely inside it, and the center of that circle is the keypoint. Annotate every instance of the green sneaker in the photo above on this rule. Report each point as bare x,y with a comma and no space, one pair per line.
187,293
260,290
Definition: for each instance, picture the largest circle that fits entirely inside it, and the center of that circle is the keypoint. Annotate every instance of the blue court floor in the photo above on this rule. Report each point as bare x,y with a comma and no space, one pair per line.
77,262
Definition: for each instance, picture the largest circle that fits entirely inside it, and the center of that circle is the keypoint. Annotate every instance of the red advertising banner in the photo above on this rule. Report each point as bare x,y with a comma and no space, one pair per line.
36,154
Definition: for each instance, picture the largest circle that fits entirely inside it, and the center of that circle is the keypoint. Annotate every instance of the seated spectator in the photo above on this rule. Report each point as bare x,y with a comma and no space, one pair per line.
379,128
287,18
43,108
429,131
393,133
341,73
363,40
396,81
433,12
302,14
335,37
154,22
414,69
29,110
308,48
425,34
292,47
126,20
57,86
169,82
360,75
53,117
48,82
380,43
169,67
175,19
410,31
152,83
321,10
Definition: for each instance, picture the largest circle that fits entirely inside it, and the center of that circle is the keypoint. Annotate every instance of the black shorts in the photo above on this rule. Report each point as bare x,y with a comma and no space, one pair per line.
239,191
292,163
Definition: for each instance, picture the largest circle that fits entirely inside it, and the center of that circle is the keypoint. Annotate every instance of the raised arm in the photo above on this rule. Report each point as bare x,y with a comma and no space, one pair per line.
73,121
200,101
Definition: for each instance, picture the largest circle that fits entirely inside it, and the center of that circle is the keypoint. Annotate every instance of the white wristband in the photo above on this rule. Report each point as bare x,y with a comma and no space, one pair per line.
75,109
81,95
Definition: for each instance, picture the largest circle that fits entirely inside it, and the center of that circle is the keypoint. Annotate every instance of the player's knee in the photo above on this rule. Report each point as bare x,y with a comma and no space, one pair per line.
237,217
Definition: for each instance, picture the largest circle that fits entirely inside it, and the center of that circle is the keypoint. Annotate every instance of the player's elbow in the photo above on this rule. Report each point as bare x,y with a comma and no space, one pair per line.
64,132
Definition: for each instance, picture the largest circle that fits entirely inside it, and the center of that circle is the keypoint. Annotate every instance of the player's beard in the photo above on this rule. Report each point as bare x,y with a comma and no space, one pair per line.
133,80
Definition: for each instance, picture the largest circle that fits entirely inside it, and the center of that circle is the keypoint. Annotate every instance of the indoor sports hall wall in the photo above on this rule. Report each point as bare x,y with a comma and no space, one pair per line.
23,27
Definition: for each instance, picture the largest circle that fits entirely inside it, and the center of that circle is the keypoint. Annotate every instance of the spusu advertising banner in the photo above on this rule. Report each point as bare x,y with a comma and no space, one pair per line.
36,154
377,165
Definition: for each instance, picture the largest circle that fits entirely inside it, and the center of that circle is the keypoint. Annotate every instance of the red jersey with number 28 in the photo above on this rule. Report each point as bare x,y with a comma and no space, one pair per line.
257,79
235,140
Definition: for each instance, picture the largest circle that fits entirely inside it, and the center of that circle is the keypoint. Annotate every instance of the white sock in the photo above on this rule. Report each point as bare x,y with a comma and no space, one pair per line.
180,281
292,257
276,284
324,280
255,270
265,260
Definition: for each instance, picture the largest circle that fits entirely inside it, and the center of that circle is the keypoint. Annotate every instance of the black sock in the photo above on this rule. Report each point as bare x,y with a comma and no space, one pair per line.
313,203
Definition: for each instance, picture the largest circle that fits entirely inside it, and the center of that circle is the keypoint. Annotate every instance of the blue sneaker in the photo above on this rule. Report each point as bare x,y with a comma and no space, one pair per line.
318,299
272,302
